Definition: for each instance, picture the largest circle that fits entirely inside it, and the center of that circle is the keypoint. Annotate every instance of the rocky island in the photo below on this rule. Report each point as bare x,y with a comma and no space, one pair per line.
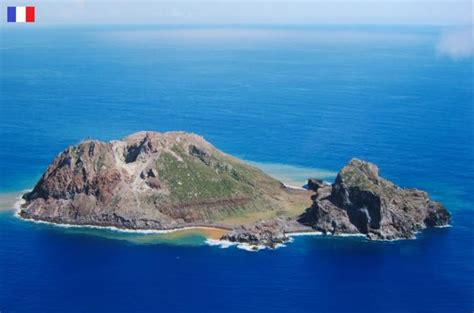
163,181
153,180
361,202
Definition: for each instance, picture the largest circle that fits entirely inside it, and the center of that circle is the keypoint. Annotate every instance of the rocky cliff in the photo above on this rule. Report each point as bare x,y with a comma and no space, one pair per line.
153,180
362,202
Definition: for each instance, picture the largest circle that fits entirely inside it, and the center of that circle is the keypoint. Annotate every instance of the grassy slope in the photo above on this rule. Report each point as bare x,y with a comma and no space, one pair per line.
220,177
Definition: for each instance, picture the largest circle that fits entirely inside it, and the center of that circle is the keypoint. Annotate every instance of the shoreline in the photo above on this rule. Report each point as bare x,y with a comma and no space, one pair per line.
210,240
207,231
127,230
16,207
12,201
170,230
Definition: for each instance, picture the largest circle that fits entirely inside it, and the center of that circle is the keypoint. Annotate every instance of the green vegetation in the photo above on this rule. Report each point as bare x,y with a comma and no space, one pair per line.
190,179
203,179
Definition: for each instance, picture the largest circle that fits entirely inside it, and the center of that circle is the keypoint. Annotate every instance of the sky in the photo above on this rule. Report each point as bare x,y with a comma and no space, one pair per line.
380,12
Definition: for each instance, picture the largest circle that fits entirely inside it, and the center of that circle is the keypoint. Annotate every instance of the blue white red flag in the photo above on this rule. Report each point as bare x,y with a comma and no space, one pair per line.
21,14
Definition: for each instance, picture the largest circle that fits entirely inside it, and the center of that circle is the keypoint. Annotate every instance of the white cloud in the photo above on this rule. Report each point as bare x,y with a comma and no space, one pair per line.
457,44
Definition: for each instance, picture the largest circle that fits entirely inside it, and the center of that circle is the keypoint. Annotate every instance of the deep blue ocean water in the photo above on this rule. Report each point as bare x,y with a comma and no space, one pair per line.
303,96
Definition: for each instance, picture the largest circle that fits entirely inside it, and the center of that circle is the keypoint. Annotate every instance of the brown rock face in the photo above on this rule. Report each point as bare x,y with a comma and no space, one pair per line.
269,233
152,180
360,201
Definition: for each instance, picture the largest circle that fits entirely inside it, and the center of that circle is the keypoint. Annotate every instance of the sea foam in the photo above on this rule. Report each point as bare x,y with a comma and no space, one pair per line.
224,244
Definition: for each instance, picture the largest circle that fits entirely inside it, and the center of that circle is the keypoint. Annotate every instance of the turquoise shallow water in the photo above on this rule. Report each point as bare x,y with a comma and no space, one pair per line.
309,97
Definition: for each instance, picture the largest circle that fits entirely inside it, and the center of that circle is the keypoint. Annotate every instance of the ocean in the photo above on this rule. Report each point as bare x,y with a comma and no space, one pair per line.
296,101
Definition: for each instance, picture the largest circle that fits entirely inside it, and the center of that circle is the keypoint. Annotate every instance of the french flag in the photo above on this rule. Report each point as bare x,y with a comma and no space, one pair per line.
21,14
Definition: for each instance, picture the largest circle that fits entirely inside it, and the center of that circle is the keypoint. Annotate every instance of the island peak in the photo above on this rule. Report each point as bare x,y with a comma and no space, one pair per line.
151,180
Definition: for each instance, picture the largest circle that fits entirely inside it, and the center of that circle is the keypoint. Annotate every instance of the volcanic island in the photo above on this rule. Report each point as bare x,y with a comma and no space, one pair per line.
177,180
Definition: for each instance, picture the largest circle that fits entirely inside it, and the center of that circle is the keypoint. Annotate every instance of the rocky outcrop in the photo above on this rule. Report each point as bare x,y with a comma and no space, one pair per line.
152,180
268,233
360,201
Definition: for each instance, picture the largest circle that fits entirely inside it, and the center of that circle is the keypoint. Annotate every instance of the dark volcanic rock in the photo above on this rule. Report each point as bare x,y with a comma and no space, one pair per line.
314,184
360,201
268,233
